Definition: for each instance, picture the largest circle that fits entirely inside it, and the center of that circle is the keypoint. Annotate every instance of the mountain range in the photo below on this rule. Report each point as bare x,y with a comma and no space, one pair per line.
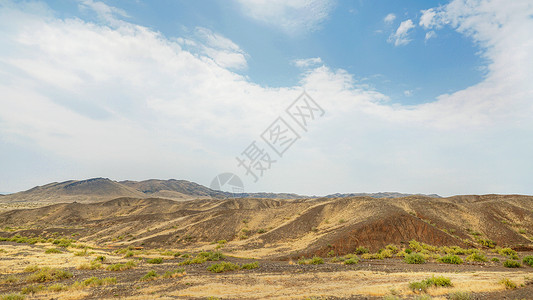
101,189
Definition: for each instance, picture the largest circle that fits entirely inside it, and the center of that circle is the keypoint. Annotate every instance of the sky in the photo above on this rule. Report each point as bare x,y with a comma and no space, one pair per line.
312,97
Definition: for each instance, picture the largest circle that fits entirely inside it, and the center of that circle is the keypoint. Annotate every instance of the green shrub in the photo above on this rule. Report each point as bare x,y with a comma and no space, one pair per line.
100,258
422,286
504,251
155,261
10,279
451,259
495,259
352,260
223,267
361,250
528,260
150,276
250,266
129,254
511,264
212,256
94,265
121,267
32,289
510,285
487,243
174,273
476,257
12,296
313,261
52,250
58,287
414,258
48,274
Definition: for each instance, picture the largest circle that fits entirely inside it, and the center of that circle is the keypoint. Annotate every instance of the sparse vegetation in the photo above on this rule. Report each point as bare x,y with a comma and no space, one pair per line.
414,258
48,274
460,295
510,285
223,267
361,250
422,286
157,260
487,243
121,267
151,275
174,273
352,260
511,264
250,266
12,296
528,260
52,250
477,257
451,259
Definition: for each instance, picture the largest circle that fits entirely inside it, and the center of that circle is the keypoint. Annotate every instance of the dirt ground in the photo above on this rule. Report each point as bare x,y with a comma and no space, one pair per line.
368,279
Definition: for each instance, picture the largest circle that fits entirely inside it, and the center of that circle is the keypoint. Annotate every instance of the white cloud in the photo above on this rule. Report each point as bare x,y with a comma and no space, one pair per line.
389,18
408,93
127,102
307,62
401,36
430,34
293,17
105,12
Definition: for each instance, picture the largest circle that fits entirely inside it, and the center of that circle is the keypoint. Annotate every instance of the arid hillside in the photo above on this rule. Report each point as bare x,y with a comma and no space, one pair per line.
285,229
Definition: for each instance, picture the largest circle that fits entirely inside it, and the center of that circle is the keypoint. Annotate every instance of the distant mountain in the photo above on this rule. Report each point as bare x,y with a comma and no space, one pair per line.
90,190
100,189
380,195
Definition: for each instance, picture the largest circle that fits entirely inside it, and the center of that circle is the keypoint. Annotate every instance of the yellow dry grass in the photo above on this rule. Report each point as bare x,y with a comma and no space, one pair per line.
338,284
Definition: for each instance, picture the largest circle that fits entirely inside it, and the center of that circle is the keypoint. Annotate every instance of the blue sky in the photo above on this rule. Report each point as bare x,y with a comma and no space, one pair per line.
417,94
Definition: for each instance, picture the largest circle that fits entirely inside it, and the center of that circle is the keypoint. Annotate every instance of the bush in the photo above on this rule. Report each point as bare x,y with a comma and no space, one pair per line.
12,296
504,251
212,256
352,260
528,260
223,267
100,258
174,273
476,257
155,260
361,250
48,274
508,283
32,289
511,264
487,243
451,259
250,266
52,250
495,259
414,258
129,254
313,261
121,267
422,286
58,287
150,276
94,265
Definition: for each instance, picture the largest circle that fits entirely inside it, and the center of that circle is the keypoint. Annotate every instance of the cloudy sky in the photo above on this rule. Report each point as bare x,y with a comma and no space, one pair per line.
418,96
